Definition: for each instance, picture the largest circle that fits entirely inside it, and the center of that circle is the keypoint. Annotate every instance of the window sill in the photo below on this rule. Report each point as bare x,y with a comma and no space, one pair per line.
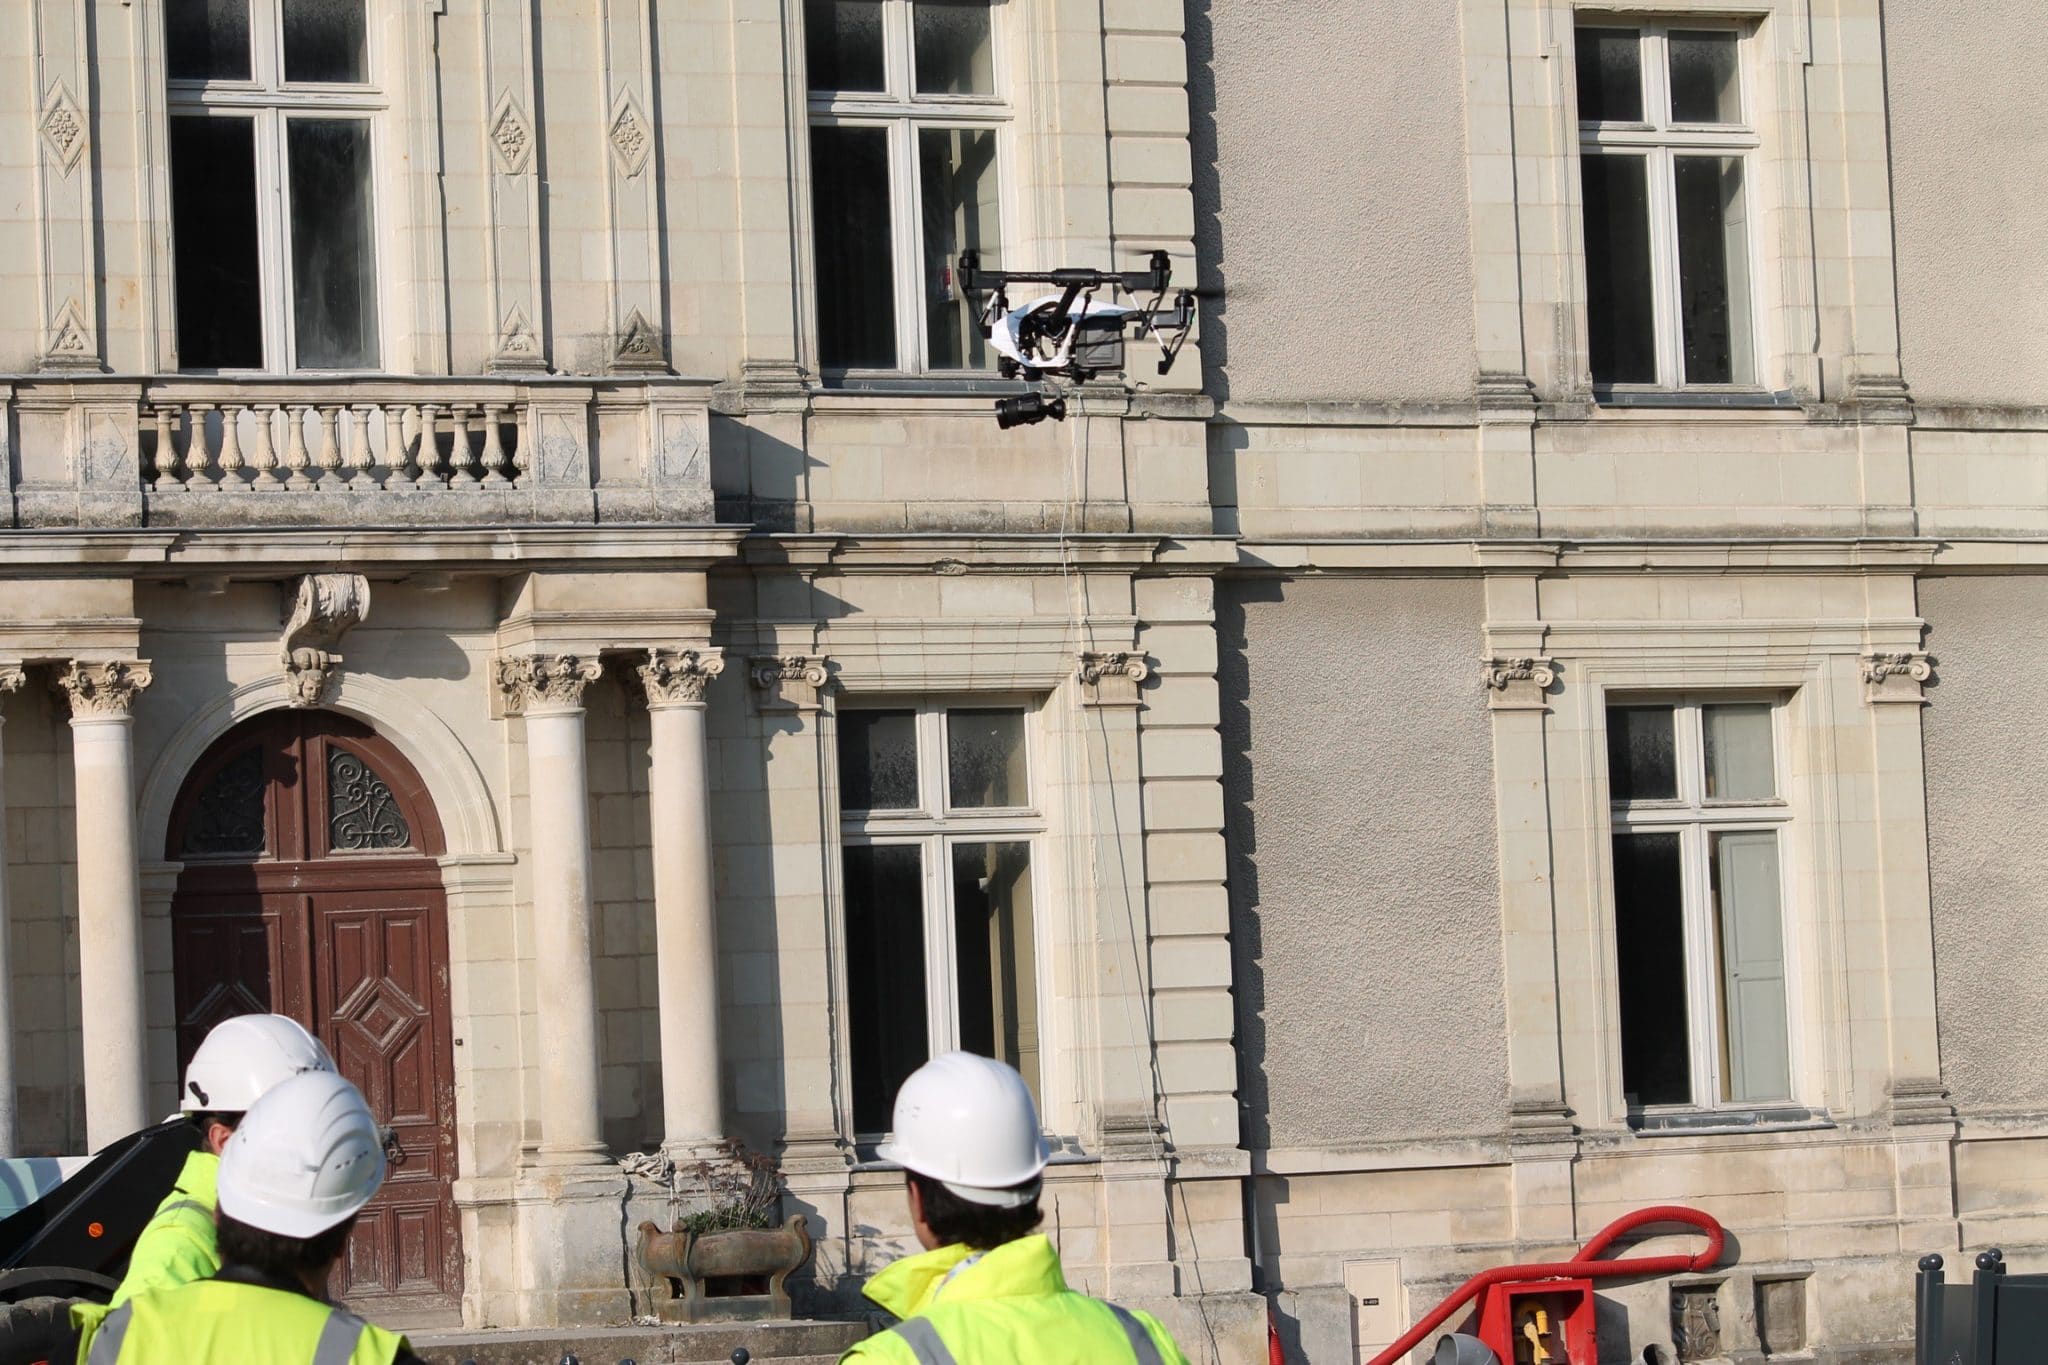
1737,400
922,385
1786,1118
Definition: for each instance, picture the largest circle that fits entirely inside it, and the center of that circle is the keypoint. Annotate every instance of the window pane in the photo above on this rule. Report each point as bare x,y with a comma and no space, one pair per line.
1713,269
852,232
1610,64
877,760
957,171
1740,761
1755,1047
1704,86
326,40
954,48
1649,938
207,39
334,299
884,976
995,954
1620,327
1642,756
843,44
213,222
985,758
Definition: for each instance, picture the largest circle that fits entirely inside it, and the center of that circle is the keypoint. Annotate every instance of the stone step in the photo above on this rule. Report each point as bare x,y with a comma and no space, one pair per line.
711,1343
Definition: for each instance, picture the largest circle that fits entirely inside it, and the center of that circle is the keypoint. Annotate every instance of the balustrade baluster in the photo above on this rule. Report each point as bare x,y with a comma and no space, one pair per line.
296,457
430,475
231,461
494,448
459,452
329,458
522,444
199,450
166,418
397,450
264,458
360,461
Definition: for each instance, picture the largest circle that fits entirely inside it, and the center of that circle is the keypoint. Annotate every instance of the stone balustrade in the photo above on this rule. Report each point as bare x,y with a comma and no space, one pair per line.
307,445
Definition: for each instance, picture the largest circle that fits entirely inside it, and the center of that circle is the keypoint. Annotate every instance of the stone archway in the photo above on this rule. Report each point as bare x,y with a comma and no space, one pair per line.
311,887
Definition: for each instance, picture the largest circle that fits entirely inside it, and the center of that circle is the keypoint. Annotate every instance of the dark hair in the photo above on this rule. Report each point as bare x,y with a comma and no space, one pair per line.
205,1118
981,1226
280,1257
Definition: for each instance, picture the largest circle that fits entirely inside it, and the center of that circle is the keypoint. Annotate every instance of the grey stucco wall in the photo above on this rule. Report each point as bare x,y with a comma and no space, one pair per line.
1969,193
1359,809
1330,202
1985,734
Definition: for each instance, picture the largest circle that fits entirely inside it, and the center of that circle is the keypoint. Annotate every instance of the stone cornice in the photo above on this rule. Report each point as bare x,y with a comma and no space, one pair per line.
104,690
539,683
678,677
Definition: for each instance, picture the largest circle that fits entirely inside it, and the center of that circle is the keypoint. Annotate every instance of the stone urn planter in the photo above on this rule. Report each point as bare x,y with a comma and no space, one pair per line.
734,1274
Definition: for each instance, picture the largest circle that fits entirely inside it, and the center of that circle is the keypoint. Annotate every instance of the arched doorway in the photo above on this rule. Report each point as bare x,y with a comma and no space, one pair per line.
311,889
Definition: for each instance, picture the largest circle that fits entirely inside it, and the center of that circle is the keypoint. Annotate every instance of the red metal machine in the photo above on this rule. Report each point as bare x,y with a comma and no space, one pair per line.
1542,1314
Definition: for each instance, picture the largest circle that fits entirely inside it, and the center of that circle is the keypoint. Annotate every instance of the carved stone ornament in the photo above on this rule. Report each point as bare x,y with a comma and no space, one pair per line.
789,682
639,345
11,678
324,607
518,346
63,128
71,343
678,677
512,136
1518,684
546,682
1111,679
1696,1321
1895,677
104,690
632,140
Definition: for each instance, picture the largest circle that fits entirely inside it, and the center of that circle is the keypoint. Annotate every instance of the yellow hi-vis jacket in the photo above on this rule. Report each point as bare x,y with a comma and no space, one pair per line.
230,1322
177,1246
1008,1305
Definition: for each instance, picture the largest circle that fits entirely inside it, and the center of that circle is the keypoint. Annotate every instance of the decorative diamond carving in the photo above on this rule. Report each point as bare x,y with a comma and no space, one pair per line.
512,136
63,128
632,139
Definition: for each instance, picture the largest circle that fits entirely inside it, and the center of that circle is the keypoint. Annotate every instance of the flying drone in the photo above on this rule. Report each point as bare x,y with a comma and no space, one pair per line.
1069,335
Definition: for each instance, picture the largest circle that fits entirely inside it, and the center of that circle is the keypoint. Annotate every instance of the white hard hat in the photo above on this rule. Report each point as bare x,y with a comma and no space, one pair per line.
968,1122
307,1156
243,1058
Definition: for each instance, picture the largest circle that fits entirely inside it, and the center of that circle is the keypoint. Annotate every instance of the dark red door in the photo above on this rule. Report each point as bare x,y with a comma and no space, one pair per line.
311,888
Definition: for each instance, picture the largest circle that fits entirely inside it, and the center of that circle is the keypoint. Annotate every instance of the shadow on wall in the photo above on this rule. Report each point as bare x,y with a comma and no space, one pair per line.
759,477
1210,274
1241,842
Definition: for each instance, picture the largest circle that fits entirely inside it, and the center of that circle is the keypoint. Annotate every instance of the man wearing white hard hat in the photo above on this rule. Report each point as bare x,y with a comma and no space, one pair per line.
988,1290
300,1167
238,1063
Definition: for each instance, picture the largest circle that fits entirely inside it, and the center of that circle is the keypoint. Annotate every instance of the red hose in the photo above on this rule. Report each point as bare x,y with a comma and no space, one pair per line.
1587,1265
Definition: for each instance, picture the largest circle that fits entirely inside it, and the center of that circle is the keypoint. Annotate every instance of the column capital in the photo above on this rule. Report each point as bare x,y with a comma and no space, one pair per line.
790,682
678,677
1896,676
12,676
1518,684
539,683
104,690
1111,679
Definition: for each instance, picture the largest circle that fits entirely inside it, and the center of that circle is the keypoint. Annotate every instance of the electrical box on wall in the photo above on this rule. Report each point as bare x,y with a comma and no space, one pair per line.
1379,1307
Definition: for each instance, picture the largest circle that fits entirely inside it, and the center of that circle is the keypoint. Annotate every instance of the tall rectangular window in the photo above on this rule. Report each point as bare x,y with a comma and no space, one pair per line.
1666,146
942,834
1699,827
273,217
908,121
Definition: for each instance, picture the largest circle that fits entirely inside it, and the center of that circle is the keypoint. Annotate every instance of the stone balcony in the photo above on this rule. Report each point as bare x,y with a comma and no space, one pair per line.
187,451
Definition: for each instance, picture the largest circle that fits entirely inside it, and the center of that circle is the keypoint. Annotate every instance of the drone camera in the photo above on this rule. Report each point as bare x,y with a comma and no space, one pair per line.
1028,410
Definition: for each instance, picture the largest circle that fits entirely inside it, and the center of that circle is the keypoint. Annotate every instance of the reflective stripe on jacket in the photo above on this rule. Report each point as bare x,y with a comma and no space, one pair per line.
1009,1304
178,1244
220,1322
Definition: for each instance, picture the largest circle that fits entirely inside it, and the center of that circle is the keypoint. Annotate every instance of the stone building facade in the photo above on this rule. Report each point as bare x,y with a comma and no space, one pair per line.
511,562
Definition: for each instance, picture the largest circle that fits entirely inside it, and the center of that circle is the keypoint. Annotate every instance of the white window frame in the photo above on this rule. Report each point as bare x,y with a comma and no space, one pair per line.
900,110
1660,141
934,827
1695,819
269,101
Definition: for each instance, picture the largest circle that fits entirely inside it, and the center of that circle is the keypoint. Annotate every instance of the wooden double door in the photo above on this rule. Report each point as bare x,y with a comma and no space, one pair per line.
311,889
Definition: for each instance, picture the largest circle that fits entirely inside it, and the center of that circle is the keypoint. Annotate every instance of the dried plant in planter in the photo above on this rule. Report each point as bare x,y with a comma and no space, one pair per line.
745,1192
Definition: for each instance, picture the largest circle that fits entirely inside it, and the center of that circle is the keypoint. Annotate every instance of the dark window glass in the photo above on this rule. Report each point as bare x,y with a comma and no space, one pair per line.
1619,319
957,170
362,814
229,817
326,40
1642,755
985,759
207,39
953,47
995,954
1610,65
1704,86
843,44
1713,269
334,300
1649,940
886,1034
853,232
213,219
877,760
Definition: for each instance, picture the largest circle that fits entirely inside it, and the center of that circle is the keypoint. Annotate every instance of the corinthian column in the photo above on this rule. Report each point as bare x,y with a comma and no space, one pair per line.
109,896
548,690
686,938
10,681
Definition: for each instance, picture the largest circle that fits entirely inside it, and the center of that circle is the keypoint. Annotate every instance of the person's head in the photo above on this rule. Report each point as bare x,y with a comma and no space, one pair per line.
302,1163
967,1133
239,1061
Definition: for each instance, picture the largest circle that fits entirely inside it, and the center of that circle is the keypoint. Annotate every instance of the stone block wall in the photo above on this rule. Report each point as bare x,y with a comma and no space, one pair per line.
42,912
